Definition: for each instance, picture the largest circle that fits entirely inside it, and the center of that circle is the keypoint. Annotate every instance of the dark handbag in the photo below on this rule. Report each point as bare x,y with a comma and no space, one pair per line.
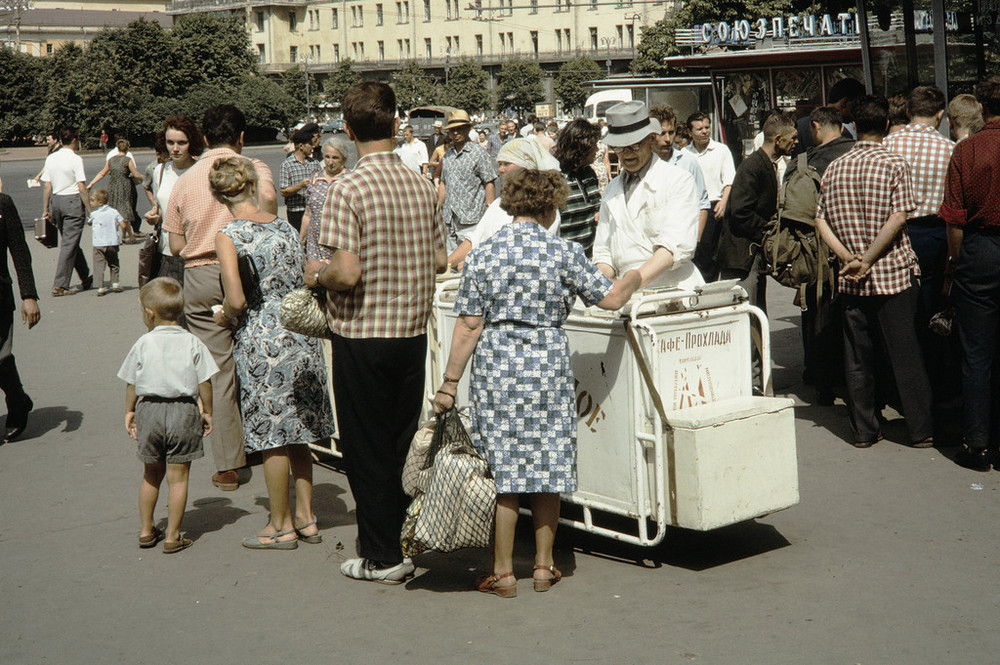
250,279
150,257
46,232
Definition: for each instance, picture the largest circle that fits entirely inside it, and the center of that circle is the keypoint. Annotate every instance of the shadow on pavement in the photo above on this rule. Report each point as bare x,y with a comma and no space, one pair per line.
210,514
48,418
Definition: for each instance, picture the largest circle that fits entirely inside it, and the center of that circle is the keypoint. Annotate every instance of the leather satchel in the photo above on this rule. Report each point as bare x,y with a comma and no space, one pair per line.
150,258
46,232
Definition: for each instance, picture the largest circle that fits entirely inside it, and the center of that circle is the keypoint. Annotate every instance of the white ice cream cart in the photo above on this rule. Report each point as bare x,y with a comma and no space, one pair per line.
670,433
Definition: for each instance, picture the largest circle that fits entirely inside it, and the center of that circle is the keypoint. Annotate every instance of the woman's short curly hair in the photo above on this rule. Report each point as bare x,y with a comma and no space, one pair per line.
576,143
232,180
530,193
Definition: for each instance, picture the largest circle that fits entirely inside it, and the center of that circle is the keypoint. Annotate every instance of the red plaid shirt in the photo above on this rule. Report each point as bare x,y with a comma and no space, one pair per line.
387,216
928,154
972,196
860,191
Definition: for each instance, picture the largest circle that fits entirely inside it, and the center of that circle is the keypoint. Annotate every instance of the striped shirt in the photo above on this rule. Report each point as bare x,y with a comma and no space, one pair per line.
292,173
579,216
860,191
195,214
928,154
387,216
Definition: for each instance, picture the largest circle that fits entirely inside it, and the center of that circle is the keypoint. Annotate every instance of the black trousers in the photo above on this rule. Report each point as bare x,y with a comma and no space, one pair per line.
379,389
10,380
704,254
295,218
873,324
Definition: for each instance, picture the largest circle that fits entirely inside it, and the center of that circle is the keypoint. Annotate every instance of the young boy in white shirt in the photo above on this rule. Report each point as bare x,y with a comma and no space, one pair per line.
107,227
167,371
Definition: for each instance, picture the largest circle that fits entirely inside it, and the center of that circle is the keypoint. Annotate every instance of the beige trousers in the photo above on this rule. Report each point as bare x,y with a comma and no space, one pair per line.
202,289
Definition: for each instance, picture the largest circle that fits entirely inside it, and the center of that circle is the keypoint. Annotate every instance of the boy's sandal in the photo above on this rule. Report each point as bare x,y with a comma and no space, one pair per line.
174,546
145,542
491,584
314,539
546,584
254,542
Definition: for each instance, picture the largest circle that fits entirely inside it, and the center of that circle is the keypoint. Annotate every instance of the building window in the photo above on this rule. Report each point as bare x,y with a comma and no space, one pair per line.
399,47
427,11
319,53
448,42
293,54
456,12
534,7
336,20
407,43
447,6
48,51
260,54
406,11
621,39
428,51
569,42
479,45
259,20
593,38
593,5
534,42
292,21
479,9
378,14
458,49
503,44
336,52
631,35
381,51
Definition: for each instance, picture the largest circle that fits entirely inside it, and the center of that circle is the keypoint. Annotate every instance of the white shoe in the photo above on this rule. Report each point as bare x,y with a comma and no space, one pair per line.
362,569
116,287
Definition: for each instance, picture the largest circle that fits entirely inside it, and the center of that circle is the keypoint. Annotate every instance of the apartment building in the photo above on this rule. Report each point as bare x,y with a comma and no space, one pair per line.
383,34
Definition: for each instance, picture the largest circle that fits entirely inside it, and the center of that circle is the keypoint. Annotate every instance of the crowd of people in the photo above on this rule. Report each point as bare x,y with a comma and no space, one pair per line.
911,220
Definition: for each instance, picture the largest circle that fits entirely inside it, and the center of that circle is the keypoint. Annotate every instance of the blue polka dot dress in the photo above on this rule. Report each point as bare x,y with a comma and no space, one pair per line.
524,281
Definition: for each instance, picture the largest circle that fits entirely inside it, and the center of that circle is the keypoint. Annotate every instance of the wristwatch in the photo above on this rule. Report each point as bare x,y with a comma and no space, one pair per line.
316,278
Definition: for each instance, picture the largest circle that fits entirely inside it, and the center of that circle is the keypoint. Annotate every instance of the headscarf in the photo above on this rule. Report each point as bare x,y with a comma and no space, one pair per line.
528,154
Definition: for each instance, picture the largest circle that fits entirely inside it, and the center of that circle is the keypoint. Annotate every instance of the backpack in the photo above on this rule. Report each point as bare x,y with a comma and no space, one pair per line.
792,250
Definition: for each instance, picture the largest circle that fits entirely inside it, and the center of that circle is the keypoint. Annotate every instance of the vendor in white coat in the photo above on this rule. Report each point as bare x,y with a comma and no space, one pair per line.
649,213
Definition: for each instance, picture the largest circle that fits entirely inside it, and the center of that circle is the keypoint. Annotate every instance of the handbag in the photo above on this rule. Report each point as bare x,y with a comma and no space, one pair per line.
303,311
250,279
46,232
150,257
458,506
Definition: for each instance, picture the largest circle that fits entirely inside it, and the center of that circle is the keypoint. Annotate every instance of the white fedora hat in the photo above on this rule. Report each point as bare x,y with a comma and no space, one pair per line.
628,123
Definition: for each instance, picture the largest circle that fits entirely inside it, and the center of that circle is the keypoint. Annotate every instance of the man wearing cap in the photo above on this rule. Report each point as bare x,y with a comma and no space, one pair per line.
294,176
467,175
435,139
649,212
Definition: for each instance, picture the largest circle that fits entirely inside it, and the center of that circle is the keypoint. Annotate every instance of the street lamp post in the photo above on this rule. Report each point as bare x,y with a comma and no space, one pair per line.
305,67
631,23
607,41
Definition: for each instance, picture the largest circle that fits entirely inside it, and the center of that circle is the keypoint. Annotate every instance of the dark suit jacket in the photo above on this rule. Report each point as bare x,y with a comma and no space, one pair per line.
12,240
820,156
753,200
431,144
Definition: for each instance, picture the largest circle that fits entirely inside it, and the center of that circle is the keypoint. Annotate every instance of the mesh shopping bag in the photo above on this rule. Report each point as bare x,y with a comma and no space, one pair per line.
455,500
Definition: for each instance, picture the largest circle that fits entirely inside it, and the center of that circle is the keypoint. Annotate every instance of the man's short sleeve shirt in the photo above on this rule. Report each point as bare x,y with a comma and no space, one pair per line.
293,172
64,169
465,174
860,190
928,154
717,167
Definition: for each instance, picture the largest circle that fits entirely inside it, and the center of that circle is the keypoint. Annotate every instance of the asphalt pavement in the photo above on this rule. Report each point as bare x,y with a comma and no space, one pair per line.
889,558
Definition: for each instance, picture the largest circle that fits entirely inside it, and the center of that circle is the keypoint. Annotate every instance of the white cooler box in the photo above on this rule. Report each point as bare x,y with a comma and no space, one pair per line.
725,456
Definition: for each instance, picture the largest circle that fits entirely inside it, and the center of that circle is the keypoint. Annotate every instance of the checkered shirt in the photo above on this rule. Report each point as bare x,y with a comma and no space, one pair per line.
928,154
387,216
972,197
860,190
194,213
293,172
465,175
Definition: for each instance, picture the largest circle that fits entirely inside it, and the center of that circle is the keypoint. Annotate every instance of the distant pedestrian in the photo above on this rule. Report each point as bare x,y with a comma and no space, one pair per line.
123,176
467,173
104,139
865,198
19,405
413,152
293,178
167,372
66,202
718,168
107,230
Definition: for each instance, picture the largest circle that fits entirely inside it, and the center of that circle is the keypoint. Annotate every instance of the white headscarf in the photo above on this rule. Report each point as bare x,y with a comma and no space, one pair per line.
528,154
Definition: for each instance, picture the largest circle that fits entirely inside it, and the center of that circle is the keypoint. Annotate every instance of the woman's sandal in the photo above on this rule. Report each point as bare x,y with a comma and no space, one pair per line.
254,543
491,584
145,542
314,539
546,584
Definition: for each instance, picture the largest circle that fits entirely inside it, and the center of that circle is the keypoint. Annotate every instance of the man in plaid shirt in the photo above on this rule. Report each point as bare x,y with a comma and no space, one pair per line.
865,197
928,153
381,221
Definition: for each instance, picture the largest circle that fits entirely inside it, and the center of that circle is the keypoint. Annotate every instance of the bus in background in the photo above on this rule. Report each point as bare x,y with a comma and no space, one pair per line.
599,102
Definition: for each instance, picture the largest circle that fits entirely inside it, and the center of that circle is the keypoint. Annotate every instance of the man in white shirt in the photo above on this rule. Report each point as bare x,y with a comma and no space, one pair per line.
65,201
413,152
649,212
716,162
666,151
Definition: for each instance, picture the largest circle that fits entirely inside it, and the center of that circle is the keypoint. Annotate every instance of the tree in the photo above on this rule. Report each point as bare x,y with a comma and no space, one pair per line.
340,81
570,82
519,85
211,48
413,86
293,82
468,87
22,99
267,107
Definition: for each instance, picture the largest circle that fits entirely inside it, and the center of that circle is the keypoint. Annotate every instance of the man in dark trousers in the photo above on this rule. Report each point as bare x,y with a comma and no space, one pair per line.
19,405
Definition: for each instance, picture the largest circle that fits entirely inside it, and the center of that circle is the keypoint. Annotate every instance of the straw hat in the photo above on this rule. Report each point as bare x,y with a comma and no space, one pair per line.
628,123
458,118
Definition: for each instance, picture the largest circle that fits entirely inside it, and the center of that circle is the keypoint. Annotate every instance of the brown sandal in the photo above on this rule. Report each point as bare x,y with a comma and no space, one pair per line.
490,584
546,584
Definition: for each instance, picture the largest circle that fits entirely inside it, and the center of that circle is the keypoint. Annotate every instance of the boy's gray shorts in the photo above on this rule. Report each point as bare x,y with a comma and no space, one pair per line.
168,430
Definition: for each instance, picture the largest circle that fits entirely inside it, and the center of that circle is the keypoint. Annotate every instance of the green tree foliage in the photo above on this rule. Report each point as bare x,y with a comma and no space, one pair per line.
570,80
293,82
468,87
126,80
657,40
413,86
519,85
340,80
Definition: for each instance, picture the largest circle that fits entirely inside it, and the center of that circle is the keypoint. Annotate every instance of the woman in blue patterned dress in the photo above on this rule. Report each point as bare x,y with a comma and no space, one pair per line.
282,375
337,151
517,289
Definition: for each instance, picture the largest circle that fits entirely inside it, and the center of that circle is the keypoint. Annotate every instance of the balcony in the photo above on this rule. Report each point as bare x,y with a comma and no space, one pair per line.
196,6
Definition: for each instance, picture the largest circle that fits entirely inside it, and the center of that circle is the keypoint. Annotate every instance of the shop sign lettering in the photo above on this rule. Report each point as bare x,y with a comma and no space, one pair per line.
844,24
588,411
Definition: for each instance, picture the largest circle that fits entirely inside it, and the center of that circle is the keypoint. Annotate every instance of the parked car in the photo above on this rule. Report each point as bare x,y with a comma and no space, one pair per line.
332,126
